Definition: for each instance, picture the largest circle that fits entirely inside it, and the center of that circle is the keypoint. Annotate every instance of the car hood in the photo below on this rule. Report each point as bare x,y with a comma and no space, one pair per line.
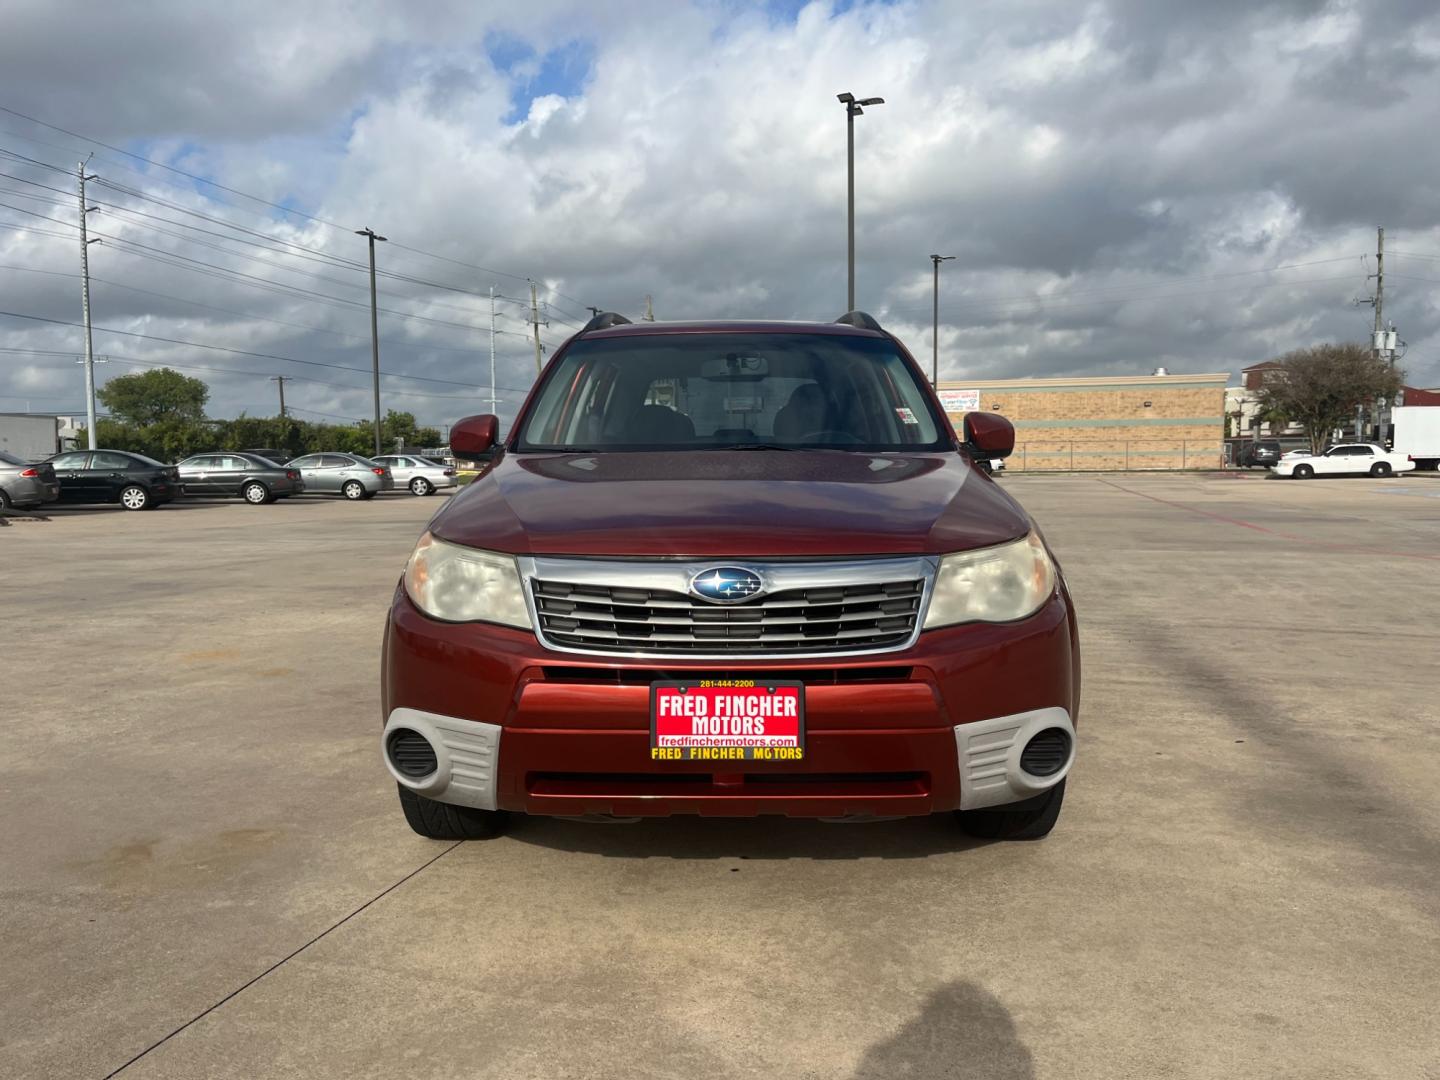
723,503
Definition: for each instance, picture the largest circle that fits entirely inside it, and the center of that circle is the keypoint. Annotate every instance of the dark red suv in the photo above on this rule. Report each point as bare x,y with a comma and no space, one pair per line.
732,569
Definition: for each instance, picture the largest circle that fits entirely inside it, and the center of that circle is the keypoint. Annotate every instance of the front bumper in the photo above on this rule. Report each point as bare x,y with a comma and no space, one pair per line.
938,726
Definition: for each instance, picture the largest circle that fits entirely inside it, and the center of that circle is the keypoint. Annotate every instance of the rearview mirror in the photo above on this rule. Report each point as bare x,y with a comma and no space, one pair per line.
988,436
474,437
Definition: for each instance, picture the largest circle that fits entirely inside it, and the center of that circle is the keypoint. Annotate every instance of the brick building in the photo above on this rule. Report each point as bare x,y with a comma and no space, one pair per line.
1106,422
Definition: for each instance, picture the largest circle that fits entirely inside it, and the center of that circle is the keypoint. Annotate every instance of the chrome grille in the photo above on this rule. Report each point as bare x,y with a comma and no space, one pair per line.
830,618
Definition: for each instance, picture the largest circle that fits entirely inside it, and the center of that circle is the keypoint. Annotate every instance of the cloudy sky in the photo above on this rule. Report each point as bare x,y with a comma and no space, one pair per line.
1123,184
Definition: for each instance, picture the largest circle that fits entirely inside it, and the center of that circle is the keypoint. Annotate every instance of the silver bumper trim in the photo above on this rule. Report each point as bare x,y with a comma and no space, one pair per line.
989,755
467,752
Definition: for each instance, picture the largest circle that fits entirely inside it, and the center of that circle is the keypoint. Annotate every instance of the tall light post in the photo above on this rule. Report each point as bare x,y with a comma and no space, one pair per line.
853,108
374,329
935,341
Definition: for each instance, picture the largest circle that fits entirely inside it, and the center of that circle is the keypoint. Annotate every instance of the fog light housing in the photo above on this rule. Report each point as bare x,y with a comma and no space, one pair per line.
411,753
1046,753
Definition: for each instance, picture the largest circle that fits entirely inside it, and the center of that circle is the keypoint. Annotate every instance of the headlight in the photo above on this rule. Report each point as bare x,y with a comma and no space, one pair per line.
997,584
461,584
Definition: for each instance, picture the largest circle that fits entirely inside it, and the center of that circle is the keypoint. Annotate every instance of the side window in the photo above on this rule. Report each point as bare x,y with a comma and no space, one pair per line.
114,462
203,462
70,461
235,464
1362,451
310,461
334,461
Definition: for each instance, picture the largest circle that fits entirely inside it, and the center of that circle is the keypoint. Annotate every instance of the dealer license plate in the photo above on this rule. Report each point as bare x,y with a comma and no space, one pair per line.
727,720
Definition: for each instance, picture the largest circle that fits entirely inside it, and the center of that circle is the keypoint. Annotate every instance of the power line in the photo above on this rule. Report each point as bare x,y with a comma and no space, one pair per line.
131,361
315,256
265,202
237,352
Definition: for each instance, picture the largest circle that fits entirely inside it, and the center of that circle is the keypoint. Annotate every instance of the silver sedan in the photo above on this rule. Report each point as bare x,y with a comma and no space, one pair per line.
420,475
24,485
350,475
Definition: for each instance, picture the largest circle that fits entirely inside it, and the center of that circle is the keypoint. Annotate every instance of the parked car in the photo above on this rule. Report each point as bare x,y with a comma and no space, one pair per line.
279,457
255,479
350,475
135,481
1262,452
732,569
1291,455
421,475
24,485
1346,459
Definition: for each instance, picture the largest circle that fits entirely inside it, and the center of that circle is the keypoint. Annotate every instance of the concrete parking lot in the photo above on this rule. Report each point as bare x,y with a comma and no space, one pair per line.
205,872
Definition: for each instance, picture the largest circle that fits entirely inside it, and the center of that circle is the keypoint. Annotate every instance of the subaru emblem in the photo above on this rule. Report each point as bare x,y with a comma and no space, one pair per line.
726,584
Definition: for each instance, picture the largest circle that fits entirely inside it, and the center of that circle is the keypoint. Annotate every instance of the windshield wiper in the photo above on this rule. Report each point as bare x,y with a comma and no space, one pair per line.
749,446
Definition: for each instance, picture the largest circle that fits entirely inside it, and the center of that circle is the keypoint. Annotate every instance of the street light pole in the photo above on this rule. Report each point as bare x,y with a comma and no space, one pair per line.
372,235
853,108
935,341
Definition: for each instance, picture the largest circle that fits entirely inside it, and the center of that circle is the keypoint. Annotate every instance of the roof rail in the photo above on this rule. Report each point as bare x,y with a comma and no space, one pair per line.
604,321
860,319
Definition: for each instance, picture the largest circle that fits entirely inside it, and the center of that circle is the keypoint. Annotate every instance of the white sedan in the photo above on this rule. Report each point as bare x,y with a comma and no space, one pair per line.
1348,459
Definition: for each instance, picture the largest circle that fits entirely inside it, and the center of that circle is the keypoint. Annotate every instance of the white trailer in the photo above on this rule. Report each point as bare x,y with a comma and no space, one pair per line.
1417,434
32,438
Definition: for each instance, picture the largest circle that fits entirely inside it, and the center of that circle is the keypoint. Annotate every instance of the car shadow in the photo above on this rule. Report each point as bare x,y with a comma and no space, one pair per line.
763,838
962,1032
13,516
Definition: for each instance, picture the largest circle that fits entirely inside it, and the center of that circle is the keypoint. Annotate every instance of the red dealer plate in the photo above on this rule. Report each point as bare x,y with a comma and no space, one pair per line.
727,720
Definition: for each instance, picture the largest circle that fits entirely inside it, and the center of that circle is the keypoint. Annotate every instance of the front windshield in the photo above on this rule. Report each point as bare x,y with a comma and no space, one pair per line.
727,390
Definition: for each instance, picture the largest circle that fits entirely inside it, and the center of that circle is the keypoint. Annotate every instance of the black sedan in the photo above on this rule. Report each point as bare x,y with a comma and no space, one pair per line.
255,479
135,481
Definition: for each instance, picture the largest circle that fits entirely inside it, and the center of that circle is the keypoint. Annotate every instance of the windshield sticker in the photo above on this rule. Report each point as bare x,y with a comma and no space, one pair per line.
906,416
744,404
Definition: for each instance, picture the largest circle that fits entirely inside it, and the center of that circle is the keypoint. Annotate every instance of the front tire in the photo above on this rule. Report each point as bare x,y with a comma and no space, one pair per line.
1304,472
420,486
135,497
441,821
1028,820
255,493
353,490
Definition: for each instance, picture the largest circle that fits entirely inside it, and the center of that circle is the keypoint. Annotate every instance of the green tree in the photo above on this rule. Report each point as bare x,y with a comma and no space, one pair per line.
149,397
1322,386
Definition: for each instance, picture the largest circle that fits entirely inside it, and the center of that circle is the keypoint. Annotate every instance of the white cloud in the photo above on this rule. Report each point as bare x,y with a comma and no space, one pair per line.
1099,171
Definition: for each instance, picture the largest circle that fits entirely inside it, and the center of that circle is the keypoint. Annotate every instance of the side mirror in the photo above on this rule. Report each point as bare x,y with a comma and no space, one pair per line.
474,438
988,436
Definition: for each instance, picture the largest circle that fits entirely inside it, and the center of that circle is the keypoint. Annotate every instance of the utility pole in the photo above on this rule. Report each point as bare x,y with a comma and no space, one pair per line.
1377,341
374,330
85,243
935,342
494,401
649,309
535,322
282,380
853,109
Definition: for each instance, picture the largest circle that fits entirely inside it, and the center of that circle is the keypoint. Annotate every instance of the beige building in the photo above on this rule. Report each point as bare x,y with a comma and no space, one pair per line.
1103,423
